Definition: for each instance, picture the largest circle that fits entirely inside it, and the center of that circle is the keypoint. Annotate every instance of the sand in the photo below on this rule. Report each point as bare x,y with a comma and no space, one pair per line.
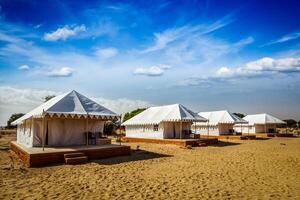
256,169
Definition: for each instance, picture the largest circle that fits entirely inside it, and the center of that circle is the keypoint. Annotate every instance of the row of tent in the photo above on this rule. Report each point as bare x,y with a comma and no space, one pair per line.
64,120
176,121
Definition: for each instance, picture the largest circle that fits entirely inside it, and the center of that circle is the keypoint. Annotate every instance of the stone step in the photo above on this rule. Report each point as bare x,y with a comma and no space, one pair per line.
72,155
76,160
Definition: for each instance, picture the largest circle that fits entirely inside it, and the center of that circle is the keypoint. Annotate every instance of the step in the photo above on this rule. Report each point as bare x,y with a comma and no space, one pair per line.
72,155
202,144
76,160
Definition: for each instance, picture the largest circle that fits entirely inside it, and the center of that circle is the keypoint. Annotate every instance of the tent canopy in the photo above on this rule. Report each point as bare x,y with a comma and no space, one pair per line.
72,104
222,117
263,119
168,113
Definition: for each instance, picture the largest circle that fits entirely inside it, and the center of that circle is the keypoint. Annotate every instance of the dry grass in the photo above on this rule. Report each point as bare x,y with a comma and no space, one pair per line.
255,169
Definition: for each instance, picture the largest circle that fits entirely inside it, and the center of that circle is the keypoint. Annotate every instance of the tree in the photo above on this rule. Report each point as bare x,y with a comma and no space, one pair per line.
12,118
133,113
240,115
48,97
291,123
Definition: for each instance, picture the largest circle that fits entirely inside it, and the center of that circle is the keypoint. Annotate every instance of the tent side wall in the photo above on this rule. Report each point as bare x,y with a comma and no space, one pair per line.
68,132
61,132
203,130
225,129
214,130
144,131
25,134
166,130
257,128
244,129
261,128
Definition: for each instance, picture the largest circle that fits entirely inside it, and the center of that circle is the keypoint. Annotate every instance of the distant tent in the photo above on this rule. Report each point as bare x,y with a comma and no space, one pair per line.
262,123
170,121
219,123
62,120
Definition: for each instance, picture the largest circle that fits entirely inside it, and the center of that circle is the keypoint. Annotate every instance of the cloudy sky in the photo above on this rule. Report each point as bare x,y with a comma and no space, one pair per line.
207,55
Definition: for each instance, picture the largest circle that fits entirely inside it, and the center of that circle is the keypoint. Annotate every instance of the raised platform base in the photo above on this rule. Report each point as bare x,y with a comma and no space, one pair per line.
231,137
264,135
179,142
35,157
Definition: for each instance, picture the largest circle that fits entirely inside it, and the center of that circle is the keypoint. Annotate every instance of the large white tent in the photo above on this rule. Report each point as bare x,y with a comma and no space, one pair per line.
261,123
162,122
219,123
62,121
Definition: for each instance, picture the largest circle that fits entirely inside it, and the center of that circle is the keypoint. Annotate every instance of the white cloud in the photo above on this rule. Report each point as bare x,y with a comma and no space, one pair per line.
15,100
64,33
58,72
276,65
244,42
264,67
156,70
106,52
223,72
24,67
285,38
164,38
37,26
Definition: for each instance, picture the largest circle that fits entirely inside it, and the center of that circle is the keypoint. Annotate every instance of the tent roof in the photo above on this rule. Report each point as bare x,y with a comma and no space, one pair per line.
222,116
168,113
71,103
263,119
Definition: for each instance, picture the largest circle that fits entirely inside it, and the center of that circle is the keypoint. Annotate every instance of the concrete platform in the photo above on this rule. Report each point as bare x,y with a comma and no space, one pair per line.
231,137
35,156
179,142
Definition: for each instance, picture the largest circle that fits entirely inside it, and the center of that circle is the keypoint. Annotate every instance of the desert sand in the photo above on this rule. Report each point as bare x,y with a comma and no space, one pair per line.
255,169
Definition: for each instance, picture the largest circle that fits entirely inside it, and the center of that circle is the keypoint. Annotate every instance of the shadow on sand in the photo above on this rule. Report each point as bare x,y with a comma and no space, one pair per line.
136,155
224,143
263,138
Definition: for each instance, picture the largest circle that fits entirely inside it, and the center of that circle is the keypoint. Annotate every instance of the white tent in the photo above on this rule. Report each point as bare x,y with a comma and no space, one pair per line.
170,121
261,123
219,123
62,121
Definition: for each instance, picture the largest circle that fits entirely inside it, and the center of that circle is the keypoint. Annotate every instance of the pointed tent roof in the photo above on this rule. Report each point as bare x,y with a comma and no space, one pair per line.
222,117
168,113
263,118
71,103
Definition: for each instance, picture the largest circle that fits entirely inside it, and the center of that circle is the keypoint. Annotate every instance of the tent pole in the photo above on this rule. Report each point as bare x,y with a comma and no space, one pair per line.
30,127
248,128
43,131
207,127
195,128
265,128
86,130
180,129
241,129
24,125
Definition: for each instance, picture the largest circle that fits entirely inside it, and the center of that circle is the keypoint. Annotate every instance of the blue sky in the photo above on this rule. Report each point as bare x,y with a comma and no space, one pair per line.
208,55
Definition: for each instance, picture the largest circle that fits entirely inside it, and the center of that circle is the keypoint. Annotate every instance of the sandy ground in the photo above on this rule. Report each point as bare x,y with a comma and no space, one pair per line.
260,169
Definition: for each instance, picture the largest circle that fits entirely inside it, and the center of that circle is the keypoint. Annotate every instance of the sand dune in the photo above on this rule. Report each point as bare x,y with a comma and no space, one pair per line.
258,169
